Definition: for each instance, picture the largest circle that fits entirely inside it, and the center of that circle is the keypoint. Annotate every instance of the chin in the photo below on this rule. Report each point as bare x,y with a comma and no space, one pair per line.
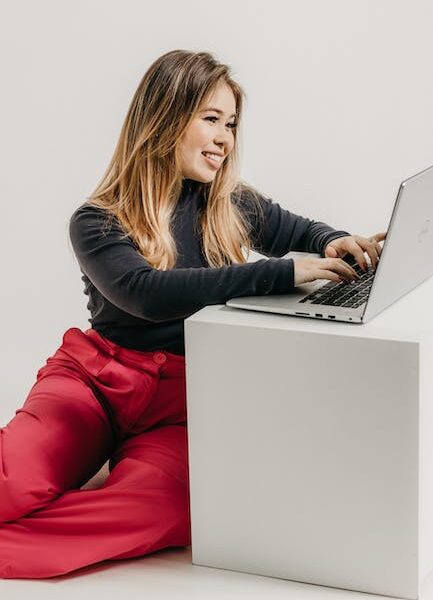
204,178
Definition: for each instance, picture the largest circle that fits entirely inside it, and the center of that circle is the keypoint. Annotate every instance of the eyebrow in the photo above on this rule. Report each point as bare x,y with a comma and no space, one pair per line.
220,112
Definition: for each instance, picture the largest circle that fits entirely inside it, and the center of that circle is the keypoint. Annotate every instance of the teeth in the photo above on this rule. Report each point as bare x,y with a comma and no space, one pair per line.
213,156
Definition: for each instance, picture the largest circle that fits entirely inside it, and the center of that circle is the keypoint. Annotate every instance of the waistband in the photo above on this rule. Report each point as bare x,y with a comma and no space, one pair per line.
129,354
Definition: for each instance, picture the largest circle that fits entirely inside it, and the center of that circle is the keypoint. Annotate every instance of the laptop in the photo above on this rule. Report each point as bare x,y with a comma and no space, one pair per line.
405,262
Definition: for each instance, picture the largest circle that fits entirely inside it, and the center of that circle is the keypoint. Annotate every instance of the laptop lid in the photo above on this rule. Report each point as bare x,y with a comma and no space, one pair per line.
407,254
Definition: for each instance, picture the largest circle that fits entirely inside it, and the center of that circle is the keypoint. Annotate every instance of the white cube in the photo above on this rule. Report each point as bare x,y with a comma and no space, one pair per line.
311,445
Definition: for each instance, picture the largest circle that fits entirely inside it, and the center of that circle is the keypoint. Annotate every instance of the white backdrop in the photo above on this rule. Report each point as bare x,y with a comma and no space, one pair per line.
339,111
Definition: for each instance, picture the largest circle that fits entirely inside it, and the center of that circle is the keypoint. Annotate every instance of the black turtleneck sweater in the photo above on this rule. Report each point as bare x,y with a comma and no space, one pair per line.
143,308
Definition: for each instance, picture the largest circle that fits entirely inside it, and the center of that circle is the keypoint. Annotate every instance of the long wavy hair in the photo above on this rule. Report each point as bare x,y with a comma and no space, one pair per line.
143,181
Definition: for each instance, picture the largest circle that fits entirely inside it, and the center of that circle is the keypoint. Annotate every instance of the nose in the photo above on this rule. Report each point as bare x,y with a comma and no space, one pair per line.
223,139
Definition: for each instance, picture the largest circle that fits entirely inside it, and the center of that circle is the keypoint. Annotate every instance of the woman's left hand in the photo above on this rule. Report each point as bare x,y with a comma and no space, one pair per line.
357,245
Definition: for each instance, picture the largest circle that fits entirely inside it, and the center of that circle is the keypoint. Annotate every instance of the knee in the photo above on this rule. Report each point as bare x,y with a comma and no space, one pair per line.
16,502
22,489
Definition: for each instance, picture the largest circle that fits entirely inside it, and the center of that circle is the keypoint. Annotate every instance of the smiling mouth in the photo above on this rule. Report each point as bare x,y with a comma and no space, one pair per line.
213,159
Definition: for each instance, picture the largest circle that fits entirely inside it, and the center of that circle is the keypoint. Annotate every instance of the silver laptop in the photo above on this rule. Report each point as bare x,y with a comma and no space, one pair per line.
405,262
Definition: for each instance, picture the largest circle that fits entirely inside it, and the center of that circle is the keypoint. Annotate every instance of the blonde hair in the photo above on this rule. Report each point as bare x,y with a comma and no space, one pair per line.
143,180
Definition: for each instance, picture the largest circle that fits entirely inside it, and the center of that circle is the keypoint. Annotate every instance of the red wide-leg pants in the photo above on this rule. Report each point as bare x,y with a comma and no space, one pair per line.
92,401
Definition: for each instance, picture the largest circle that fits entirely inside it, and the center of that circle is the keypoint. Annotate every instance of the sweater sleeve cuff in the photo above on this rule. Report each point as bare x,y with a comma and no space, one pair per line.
284,281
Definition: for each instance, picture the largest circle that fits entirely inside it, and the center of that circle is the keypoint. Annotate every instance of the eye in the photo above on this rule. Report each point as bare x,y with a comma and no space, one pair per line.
231,125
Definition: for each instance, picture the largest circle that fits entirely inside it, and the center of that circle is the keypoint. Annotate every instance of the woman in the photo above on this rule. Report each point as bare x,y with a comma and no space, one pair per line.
163,235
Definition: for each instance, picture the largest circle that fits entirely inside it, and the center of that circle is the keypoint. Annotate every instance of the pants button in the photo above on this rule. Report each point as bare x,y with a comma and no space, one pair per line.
159,358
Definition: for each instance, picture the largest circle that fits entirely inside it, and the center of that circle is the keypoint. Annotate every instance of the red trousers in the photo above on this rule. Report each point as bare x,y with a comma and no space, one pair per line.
92,401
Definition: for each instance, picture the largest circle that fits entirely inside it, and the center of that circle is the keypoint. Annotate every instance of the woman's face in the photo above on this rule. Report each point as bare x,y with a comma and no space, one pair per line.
210,132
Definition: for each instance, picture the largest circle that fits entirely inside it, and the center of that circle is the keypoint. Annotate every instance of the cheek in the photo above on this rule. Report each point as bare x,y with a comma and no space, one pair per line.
188,148
200,136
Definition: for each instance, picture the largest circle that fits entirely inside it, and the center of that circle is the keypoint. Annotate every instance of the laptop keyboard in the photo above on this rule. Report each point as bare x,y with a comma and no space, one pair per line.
342,293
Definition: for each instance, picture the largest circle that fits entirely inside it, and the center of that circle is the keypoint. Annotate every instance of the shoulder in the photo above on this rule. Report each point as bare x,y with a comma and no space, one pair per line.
90,214
253,203
245,192
90,223
87,209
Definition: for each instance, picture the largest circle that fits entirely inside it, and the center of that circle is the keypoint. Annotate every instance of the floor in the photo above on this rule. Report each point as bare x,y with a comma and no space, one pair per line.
170,574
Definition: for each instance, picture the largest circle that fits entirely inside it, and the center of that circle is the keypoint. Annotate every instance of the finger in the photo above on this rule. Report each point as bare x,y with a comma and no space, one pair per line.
370,248
341,252
358,253
325,274
331,252
378,237
342,268
378,248
335,252
346,270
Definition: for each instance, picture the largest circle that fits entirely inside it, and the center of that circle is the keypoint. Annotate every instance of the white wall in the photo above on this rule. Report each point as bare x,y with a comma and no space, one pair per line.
339,111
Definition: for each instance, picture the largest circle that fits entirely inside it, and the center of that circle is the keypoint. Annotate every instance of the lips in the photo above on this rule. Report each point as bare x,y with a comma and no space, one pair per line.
213,155
213,162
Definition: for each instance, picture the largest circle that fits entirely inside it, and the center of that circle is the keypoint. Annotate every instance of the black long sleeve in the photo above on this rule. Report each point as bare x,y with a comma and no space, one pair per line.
282,231
127,280
140,307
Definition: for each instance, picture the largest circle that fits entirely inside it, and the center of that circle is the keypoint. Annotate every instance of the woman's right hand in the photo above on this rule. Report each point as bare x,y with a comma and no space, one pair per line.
310,269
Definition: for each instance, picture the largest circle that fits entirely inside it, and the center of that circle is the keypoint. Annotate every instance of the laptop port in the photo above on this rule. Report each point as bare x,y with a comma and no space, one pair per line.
331,316
318,315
